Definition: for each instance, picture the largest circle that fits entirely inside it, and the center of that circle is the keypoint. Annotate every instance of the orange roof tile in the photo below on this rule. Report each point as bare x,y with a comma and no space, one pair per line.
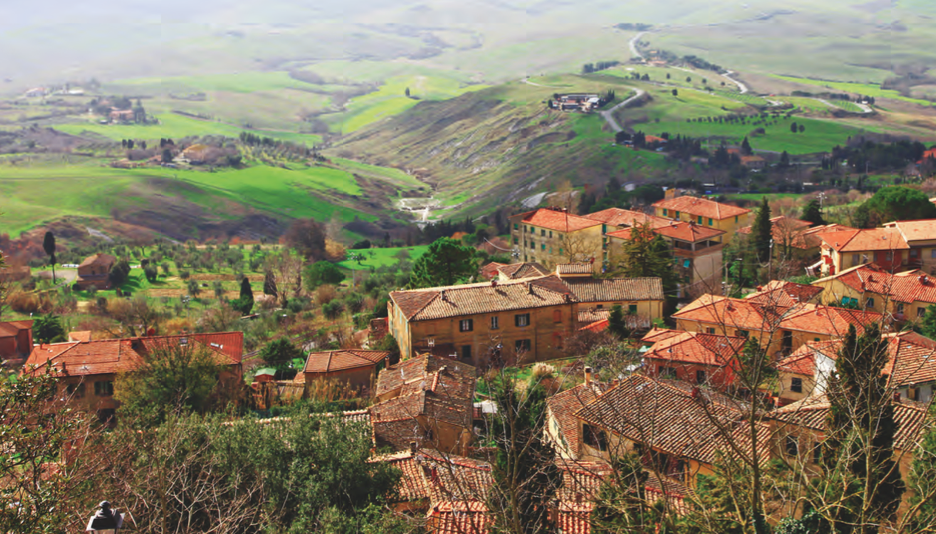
668,419
13,328
619,217
913,231
907,287
557,220
340,360
865,240
698,348
563,406
783,293
688,231
659,334
516,271
701,207
98,259
588,290
911,419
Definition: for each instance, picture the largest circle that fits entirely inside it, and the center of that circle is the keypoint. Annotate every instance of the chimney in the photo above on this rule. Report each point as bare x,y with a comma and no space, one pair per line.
896,396
413,447
695,393
530,287
442,295
588,375
493,283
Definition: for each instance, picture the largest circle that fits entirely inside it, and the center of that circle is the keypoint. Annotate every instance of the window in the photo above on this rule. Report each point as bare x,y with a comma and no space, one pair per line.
557,340
687,263
466,325
560,251
856,259
550,250
735,218
632,309
710,330
550,233
516,241
522,345
667,372
796,385
921,311
595,437
710,221
700,220
900,307
532,245
700,377
677,214
522,319
914,252
104,388
742,333
815,339
543,233
869,302
543,246
516,226
933,253
847,301
792,446
665,212
76,390
889,256
495,323
557,316
466,352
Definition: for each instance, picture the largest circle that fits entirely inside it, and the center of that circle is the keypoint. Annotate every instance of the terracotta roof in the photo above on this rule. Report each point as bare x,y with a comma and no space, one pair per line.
430,386
732,313
13,328
84,335
491,270
659,334
597,326
865,240
701,206
912,359
698,348
459,518
803,360
559,221
911,419
574,268
666,418
920,230
98,259
593,315
783,293
907,287
688,231
615,289
121,355
619,217
439,477
470,299
747,314
624,234
563,406
340,360
516,271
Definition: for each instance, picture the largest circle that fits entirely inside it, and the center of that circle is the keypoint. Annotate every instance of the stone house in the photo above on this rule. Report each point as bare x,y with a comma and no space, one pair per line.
95,271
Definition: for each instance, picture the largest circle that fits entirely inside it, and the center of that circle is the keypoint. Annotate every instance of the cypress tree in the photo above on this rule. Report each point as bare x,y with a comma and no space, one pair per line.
761,233
48,245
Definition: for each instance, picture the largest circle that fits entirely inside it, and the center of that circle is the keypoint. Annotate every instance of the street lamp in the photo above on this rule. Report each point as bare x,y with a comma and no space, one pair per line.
105,519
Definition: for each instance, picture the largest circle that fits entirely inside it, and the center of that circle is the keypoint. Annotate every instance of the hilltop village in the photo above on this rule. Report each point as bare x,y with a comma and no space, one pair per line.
614,368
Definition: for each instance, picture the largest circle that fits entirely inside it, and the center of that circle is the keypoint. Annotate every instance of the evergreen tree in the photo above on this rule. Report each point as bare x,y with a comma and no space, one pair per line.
858,450
446,263
245,302
746,147
813,213
48,245
762,232
48,329
646,254
617,323
784,159
525,474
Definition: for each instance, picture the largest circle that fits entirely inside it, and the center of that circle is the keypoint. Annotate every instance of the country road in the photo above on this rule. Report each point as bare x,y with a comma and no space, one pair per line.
741,87
633,46
608,115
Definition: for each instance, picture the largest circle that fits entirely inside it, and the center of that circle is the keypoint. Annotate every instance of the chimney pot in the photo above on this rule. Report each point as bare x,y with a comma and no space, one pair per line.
695,393
413,446
588,375
896,396
493,283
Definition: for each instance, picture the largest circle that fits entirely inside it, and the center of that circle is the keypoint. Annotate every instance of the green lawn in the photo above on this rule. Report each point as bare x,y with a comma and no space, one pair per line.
819,136
27,199
866,89
172,125
391,99
382,257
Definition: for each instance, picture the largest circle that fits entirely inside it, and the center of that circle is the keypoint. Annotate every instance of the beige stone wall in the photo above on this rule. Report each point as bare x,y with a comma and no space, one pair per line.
548,329
551,247
729,225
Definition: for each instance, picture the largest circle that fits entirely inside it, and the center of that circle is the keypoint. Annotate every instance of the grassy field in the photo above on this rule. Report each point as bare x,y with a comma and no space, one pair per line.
866,89
391,99
97,191
382,257
175,126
